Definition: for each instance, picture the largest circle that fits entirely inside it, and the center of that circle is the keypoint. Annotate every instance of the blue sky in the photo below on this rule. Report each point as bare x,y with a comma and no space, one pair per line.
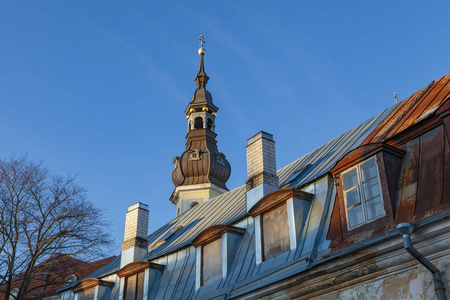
99,88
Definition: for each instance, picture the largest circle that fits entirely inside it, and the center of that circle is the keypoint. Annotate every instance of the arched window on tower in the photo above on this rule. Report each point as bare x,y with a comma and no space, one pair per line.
198,123
210,124
192,204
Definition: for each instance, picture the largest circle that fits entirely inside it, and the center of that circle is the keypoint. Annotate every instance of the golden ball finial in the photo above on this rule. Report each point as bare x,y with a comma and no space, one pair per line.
201,51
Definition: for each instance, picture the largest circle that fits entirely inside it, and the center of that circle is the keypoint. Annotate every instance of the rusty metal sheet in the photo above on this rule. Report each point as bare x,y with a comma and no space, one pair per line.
430,179
446,192
382,130
436,96
407,112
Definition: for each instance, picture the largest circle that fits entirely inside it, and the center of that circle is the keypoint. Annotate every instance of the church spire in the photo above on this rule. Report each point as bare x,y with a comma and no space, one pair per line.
201,172
202,78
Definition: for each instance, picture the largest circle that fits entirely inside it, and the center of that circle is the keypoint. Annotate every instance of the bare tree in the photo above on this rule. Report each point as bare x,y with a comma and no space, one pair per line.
43,218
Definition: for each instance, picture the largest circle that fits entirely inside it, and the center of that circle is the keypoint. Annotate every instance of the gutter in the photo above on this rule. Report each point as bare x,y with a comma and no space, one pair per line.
405,229
325,256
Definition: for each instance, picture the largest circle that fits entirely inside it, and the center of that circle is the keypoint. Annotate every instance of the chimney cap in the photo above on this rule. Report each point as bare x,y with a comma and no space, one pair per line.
138,205
261,134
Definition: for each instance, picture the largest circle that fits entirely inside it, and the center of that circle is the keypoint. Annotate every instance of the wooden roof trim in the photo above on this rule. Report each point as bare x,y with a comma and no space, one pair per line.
215,232
138,266
444,109
276,198
90,283
362,153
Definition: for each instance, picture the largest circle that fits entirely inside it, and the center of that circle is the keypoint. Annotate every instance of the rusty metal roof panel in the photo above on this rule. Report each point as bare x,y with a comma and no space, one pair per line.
411,109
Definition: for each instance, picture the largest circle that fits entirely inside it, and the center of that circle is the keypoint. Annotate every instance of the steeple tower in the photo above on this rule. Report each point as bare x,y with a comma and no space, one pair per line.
201,172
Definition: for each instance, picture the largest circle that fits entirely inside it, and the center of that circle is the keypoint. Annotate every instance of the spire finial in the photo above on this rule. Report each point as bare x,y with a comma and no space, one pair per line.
201,78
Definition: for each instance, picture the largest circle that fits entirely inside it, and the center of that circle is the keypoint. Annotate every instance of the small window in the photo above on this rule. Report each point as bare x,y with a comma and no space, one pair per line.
134,287
14,294
363,194
210,124
194,155
211,262
168,234
192,204
275,232
198,123
70,279
87,294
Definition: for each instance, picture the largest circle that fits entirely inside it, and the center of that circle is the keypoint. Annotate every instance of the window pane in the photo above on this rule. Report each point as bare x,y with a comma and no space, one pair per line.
375,208
350,179
369,169
86,294
355,216
371,189
212,261
275,232
130,293
140,286
353,197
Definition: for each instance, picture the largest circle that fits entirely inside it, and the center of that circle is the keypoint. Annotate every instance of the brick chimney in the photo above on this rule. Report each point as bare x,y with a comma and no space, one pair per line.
135,243
261,167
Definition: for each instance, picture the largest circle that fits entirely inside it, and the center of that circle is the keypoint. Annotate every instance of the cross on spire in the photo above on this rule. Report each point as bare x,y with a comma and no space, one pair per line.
202,78
202,41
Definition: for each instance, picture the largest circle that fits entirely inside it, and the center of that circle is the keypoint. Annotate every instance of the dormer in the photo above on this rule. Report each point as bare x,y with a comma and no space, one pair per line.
215,249
138,279
279,218
92,289
367,181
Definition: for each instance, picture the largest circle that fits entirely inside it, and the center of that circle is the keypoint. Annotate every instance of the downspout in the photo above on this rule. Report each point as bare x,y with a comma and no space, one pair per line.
405,229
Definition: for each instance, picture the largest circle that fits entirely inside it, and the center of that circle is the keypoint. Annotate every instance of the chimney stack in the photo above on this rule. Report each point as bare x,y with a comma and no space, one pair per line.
135,243
261,168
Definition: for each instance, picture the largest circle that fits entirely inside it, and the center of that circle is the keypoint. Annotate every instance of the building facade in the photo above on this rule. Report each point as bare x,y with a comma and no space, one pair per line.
364,216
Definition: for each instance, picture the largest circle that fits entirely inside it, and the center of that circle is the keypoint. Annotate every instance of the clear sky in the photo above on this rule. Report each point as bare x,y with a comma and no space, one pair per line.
99,88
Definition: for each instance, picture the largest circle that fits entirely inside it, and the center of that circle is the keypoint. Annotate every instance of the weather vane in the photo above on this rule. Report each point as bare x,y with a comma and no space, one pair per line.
202,41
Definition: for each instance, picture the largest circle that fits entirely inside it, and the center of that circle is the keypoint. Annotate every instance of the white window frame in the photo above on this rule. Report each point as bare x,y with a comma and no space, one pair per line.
360,188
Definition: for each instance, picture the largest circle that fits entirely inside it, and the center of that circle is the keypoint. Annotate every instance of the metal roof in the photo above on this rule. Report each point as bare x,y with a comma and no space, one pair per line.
412,109
231,206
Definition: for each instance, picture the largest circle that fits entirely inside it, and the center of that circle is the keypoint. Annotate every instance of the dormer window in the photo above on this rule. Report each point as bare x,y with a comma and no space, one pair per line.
137,278
275,232
362,193
211,266
279,218
87,294
366,181
134,286
215,250
88,288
